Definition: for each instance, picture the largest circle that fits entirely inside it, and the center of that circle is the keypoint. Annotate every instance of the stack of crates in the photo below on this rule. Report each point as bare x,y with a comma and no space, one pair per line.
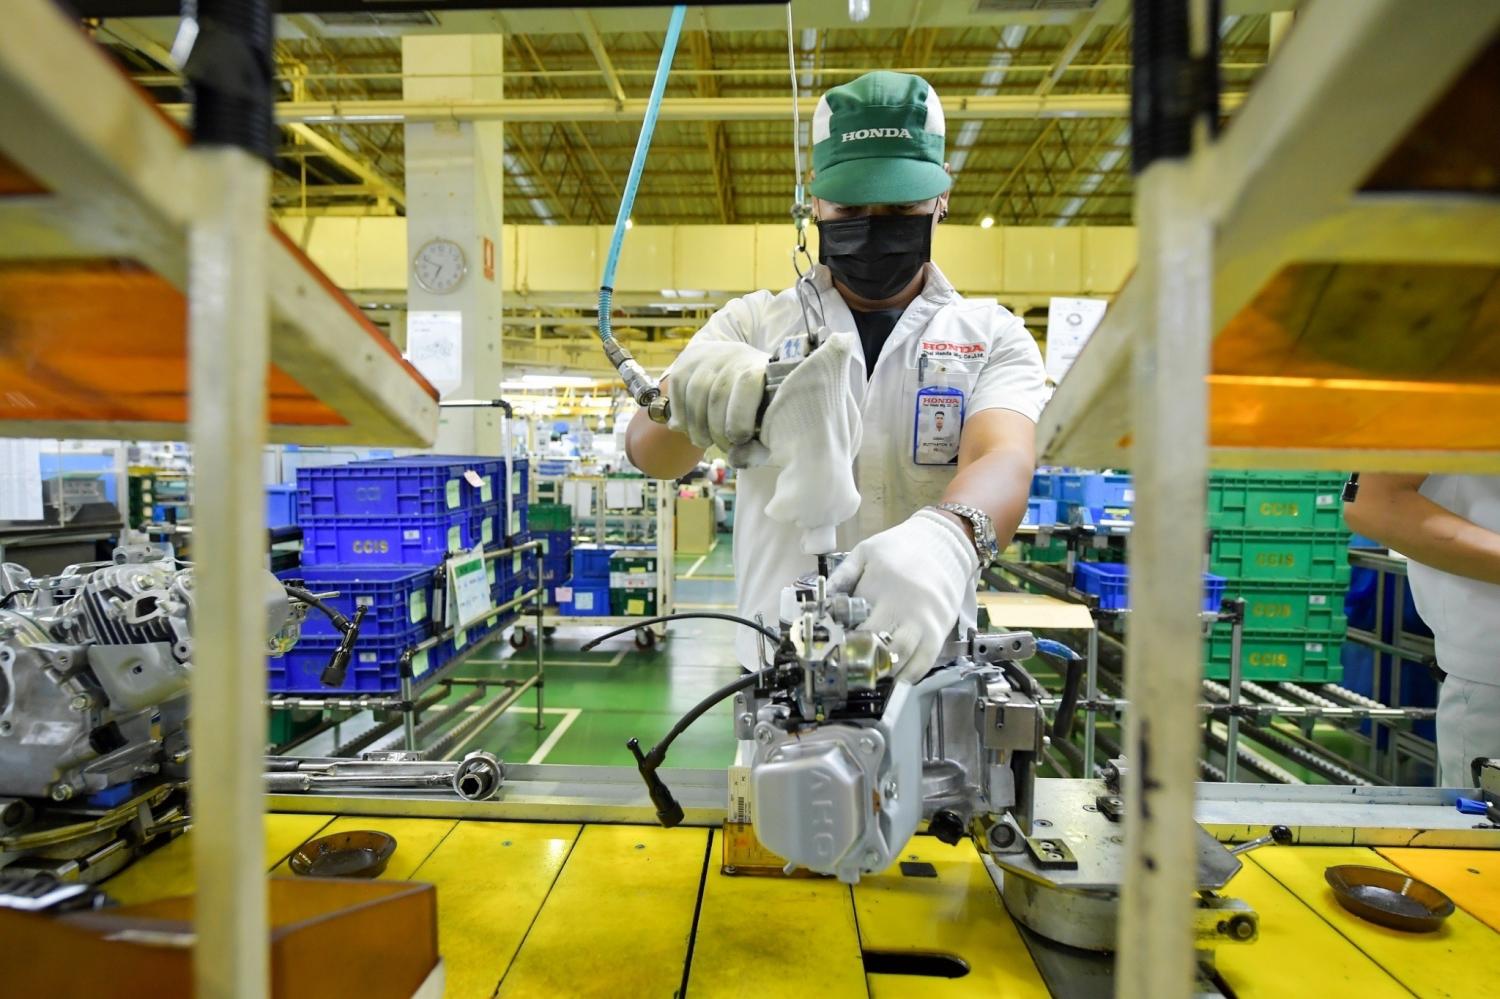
1279,539
1093,496
588,595
379,532
399,609
1056,494
632,581
552,524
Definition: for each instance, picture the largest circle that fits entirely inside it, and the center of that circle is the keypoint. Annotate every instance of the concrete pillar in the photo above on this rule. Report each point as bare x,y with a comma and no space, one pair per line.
455,191
1281,23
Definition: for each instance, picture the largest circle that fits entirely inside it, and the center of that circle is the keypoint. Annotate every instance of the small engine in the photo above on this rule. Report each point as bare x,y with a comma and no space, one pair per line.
848,762
94,668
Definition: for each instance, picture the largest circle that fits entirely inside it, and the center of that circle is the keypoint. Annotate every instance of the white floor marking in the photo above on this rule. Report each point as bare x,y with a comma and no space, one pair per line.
570,715
694,567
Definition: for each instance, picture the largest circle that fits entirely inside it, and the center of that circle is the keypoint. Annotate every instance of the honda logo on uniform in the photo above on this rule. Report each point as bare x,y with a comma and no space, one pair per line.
877,133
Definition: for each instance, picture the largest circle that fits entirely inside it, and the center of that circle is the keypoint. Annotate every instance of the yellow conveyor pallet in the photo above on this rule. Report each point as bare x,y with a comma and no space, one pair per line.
550,909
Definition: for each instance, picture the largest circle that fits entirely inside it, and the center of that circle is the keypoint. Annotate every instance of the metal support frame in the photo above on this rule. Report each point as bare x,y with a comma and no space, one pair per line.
1170,401
550,792
229,349
1236,667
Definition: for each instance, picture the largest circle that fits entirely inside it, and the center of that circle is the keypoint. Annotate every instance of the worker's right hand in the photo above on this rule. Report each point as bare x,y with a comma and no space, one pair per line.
715,390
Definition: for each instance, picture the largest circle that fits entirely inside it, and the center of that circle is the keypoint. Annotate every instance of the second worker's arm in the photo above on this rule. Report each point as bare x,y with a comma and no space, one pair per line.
1390,509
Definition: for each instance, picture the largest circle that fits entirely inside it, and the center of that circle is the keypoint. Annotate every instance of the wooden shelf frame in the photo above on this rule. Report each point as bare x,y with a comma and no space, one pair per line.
95,180
1355,306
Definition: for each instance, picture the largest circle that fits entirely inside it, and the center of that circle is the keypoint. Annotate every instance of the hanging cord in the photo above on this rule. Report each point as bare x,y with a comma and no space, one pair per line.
808,299
642,387
800,211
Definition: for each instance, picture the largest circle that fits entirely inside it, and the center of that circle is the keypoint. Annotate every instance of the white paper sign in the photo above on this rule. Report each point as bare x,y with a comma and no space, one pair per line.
1070,323
434,345
20,479
469,589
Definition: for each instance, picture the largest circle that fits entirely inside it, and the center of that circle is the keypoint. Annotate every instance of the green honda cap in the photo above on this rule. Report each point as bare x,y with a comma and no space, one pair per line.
878,140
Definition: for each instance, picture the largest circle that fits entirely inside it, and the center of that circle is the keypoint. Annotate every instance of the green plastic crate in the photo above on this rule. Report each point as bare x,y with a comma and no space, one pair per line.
1300,656
550,517
1054,551
1300,605
632,582
1279,556
1310,501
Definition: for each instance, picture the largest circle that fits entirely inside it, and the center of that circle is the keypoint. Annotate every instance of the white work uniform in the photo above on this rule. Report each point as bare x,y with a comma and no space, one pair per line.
978,347
1462,613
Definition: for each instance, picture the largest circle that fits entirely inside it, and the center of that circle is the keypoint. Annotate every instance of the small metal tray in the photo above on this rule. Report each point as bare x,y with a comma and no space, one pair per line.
1389,898
359,854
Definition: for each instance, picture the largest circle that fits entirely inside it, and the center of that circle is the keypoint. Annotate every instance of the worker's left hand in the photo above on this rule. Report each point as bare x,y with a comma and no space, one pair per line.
915,576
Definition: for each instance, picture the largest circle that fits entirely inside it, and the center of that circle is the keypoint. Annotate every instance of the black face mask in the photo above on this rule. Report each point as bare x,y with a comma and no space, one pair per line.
875,256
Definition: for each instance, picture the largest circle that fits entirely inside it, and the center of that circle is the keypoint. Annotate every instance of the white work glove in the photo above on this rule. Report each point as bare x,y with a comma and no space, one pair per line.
915,576
812,431
715,390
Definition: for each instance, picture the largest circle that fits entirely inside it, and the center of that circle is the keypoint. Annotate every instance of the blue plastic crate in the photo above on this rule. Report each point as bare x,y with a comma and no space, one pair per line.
591,563
586,600
517,519
386,540
1213,591
556,570
1040,511
1110,582
281,506
487,525
556,544
1093,489
399,598
375,668
1078,513
489,468
1044,484
385,487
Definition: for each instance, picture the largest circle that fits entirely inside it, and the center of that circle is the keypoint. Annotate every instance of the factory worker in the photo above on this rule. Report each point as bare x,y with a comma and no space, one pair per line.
941,408
1449,528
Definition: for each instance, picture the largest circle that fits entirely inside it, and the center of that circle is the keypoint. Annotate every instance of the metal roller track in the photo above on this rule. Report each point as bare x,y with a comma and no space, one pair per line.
361,742
437,716
1249,758
1304,757
452,741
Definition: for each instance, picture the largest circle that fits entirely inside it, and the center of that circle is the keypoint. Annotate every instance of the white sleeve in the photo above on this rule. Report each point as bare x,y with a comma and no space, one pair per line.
1013,376
741,320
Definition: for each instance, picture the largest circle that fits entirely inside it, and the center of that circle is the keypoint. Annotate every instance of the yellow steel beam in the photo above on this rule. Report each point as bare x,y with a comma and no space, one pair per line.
601,55
383,185
958,107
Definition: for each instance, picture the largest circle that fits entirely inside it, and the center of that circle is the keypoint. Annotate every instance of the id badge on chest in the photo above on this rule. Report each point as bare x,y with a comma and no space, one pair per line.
938,420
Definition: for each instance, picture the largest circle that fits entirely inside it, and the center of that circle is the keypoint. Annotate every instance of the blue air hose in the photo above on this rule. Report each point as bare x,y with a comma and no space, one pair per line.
641,386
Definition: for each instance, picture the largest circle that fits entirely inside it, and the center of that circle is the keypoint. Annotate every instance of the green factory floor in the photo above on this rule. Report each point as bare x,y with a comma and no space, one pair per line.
594,701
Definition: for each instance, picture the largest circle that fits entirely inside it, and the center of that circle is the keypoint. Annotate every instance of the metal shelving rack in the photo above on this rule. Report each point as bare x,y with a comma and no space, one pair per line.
96,176
1258,325
416,698
660,496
